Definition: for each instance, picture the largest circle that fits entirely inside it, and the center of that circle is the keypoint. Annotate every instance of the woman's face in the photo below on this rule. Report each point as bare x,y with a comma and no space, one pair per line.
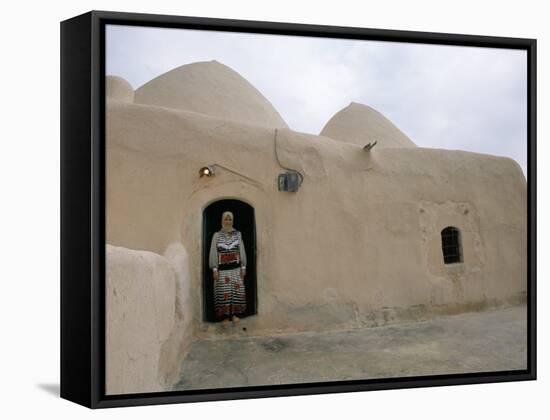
227,221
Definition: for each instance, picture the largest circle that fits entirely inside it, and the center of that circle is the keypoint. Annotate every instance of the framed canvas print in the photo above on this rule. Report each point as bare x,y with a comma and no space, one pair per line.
255,209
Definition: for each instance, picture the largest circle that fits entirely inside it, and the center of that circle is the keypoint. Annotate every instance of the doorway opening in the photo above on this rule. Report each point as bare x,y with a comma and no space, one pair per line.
244,221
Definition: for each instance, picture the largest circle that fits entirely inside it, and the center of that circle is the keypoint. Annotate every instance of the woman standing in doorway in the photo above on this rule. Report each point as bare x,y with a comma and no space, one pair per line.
228,263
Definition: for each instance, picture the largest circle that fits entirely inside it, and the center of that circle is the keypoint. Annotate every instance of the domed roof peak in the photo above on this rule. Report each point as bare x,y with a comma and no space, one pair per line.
211,88
118,89
360,124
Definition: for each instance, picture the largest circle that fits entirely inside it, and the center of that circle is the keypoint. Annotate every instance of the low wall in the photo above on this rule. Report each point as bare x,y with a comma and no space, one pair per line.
147,318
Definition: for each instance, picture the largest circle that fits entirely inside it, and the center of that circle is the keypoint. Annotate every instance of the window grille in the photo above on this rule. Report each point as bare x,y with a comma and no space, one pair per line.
450,243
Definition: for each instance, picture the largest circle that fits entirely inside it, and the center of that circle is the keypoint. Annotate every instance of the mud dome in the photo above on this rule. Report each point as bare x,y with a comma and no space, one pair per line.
359,244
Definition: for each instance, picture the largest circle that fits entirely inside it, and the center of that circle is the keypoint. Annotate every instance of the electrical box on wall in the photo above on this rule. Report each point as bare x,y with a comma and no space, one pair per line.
289,181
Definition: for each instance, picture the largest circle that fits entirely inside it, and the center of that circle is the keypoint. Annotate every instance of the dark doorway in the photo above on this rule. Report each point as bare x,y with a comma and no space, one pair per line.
244,222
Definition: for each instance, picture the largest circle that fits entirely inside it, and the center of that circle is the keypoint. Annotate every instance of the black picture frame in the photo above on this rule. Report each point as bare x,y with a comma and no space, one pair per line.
83,205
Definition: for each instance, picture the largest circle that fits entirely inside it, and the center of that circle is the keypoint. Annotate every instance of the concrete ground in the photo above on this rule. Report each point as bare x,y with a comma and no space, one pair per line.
474,342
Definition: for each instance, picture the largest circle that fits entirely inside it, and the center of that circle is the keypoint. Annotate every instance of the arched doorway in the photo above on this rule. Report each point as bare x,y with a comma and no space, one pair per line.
245,223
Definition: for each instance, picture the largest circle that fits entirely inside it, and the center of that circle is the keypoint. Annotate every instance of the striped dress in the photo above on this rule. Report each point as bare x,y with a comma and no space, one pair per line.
227,255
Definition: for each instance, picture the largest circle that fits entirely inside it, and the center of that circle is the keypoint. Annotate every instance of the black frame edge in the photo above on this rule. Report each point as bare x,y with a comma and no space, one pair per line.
303,29
98,210
130,400
532,206
75,154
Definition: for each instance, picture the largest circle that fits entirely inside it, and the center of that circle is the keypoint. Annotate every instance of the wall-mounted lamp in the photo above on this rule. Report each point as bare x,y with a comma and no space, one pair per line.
210,170
207,171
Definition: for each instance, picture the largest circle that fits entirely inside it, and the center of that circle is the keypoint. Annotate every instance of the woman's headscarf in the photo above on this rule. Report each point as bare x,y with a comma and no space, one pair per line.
225,213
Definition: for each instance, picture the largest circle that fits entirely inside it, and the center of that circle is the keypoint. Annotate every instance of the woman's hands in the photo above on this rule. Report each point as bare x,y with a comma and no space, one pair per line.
243,272
216,275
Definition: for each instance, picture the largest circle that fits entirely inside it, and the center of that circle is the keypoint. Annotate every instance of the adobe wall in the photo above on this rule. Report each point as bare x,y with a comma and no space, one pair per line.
358,245
147,319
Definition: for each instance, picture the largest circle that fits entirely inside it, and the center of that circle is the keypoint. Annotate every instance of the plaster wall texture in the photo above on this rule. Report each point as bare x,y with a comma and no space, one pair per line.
147,317
358,245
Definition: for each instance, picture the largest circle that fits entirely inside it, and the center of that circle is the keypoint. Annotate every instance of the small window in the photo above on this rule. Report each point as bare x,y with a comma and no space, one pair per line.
450,242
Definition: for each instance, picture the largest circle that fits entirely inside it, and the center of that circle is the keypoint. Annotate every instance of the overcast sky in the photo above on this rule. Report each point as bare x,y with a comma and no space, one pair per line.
463,98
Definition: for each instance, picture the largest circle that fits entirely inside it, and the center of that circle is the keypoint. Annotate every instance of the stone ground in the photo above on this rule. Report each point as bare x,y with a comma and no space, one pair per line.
473,342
